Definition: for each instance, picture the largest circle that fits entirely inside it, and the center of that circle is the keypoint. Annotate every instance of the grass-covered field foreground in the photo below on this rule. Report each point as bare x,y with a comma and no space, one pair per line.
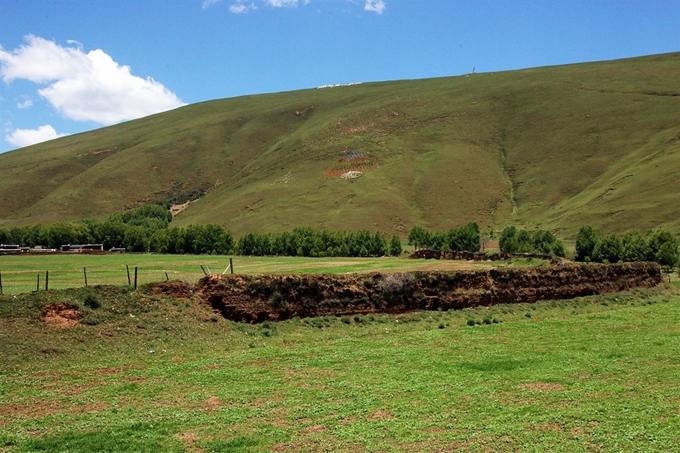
148,373
19,273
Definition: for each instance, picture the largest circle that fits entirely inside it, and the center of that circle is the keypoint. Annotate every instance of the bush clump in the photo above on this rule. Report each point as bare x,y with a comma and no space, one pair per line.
92,302
659,246
513,240
397,286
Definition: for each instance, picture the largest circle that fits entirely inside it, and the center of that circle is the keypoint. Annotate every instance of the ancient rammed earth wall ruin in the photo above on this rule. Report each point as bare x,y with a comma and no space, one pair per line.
256,299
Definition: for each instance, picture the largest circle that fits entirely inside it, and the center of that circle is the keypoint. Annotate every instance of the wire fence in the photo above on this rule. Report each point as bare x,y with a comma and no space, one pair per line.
78,273
15,282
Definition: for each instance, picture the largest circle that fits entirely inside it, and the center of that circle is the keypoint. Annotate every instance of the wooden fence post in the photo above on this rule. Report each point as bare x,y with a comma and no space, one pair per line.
47,280
231,265
37,285
85,275
128,274
135,277
0,283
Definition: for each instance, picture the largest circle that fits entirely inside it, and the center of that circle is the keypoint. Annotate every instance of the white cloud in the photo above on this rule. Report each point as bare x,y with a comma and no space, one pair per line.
209,3
85,86
283,3
241,7
376,6
25,103
26,137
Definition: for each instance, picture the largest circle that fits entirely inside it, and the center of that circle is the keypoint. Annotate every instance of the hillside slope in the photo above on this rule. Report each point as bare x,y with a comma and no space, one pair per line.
554,147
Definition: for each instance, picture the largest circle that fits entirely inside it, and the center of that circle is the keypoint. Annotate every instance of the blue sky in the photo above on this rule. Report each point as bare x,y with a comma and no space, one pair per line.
68,66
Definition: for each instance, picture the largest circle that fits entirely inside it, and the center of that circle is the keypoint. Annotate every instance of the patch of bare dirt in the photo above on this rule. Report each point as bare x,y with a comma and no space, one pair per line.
177,208
115,370
542,386
60,315
175,288
382,414
313,430
213,404
45,408
552,426
189,439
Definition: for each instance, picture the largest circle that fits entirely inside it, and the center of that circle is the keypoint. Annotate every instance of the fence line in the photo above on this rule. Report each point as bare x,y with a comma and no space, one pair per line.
15,282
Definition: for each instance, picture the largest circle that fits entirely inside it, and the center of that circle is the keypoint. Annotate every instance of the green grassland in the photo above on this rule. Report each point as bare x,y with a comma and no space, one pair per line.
148,373
552,147
20,273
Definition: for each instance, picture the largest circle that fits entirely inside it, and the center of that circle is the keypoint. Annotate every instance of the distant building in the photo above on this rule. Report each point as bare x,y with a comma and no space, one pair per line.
82,248
8,249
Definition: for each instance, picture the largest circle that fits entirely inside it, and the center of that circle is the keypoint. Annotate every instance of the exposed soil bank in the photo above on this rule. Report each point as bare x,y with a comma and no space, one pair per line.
469,256
256,299
60,315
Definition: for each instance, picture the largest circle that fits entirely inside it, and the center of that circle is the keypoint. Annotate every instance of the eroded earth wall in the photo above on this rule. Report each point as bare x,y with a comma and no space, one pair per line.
254,299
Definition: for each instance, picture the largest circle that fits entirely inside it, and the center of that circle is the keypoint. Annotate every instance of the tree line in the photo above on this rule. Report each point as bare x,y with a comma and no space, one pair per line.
148,229
660,246
144,229
463,239
513,240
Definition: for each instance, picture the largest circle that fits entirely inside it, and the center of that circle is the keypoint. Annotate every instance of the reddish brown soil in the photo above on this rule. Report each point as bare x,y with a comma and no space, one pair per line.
469,256
256,299
175,289
60,315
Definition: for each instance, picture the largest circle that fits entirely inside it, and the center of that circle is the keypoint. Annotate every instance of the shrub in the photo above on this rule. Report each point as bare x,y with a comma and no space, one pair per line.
92,302
398,285
92,321
278,302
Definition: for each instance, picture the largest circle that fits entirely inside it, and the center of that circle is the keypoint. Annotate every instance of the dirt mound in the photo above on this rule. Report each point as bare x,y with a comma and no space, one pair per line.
470,256
256,299
60,315
176,289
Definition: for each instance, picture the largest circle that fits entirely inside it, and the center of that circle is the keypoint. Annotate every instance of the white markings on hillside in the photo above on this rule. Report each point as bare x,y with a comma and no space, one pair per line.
338,85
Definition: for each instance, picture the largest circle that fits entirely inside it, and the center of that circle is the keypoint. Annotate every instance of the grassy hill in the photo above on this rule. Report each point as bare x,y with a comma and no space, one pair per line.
555,147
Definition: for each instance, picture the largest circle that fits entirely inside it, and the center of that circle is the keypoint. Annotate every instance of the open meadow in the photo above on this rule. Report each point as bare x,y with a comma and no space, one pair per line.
143,372
20,273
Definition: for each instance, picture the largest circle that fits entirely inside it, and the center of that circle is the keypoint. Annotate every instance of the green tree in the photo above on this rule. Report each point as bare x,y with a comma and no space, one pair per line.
378,245
149,216
419,237
559,250
586,240
508,241
656,240
668,255
135,239
608,250
159,242
635,247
